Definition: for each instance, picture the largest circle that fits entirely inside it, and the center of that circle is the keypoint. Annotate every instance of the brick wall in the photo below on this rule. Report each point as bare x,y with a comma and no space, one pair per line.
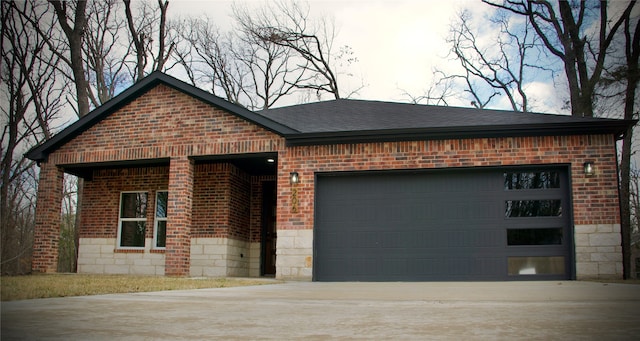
179,210
257,183
210,201
48,208
239,204
595,199
100,207
222,200
166,123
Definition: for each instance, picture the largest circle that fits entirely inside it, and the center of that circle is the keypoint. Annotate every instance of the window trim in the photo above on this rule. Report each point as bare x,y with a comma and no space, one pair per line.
121,220
157,219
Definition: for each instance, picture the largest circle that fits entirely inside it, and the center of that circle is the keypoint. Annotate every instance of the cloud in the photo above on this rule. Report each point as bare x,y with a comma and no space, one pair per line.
397,43
547,98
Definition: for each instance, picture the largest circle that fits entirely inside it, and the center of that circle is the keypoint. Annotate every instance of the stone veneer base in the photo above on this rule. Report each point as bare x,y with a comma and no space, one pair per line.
100,256
598,251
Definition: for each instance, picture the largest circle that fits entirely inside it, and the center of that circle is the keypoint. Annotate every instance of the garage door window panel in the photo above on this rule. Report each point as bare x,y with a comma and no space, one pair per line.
531,180
552,265
534,236
533,208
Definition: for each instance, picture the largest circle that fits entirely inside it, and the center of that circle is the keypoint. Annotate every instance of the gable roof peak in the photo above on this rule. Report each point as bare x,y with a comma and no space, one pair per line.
40,152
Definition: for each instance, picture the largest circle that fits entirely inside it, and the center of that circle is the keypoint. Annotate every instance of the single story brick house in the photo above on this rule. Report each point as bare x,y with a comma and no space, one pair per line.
180,182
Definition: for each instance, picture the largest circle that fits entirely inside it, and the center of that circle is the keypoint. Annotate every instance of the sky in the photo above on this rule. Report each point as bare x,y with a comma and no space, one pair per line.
397,43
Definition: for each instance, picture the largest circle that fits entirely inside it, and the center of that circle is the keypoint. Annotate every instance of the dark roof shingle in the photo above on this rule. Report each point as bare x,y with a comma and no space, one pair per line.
346,121
360,115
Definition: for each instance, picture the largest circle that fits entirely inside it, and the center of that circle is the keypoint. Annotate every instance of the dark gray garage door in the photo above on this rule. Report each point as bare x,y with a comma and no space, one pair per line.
511,224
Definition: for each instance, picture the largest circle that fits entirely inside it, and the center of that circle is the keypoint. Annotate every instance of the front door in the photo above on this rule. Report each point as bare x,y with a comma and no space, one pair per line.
269,236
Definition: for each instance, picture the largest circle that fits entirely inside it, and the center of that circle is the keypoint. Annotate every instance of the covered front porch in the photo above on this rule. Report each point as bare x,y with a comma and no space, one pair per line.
195,216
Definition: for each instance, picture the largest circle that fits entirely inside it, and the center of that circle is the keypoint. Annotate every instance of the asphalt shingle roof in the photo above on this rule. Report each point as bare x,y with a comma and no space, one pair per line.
346,115
352,121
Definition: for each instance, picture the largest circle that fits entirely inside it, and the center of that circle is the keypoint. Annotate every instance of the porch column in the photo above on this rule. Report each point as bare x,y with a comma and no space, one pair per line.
48,218
178,244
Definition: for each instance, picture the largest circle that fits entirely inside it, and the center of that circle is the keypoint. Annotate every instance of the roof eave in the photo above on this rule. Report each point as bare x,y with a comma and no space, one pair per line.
614,127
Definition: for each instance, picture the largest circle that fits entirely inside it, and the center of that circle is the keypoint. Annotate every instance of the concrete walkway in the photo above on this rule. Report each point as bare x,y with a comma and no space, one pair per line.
360,311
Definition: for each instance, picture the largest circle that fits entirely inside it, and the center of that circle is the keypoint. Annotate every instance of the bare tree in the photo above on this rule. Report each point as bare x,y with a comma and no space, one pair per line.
635,200
630,73
32,101
501,68
142,29
67,249
287,24
634,208
565,29
73,13
273,71
441,90
207,56
104,52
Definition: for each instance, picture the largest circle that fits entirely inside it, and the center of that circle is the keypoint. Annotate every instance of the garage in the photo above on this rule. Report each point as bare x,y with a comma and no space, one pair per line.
445,225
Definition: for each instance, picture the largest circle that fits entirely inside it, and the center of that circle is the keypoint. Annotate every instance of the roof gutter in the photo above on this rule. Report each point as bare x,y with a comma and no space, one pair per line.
615,127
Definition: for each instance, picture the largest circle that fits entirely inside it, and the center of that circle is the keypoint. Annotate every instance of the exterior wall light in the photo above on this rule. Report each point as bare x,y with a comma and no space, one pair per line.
589,169
294,178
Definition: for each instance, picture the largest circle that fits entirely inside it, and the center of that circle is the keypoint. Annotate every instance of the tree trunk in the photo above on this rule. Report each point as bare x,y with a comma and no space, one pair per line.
75,37
632,77
625,205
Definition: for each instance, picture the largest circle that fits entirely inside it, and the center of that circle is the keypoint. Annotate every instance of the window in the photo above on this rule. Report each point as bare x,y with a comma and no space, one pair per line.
133,219
160,225
533,208
541,236
553,265
531,180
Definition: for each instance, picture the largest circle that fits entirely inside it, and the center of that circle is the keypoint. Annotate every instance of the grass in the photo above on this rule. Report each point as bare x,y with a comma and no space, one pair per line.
62,285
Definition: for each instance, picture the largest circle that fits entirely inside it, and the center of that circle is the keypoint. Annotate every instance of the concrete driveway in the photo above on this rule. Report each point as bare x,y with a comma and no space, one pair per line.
361,311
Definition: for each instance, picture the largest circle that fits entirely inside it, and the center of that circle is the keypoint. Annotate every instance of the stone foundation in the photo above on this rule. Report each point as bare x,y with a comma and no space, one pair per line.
219,257
598,251
254,259
99,256
294,255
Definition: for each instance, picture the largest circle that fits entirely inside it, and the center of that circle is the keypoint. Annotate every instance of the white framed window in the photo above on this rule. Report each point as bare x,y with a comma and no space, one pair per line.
133,219
160,221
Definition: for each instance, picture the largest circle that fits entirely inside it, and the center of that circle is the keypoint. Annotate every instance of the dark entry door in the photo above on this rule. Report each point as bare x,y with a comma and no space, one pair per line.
442,225
269,236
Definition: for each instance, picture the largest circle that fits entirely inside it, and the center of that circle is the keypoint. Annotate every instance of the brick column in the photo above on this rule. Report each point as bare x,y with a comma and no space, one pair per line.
178,246
48,219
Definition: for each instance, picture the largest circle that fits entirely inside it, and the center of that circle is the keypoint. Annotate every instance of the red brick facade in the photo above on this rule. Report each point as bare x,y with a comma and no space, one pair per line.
219,200
166,123
48,208
102,198
595,199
